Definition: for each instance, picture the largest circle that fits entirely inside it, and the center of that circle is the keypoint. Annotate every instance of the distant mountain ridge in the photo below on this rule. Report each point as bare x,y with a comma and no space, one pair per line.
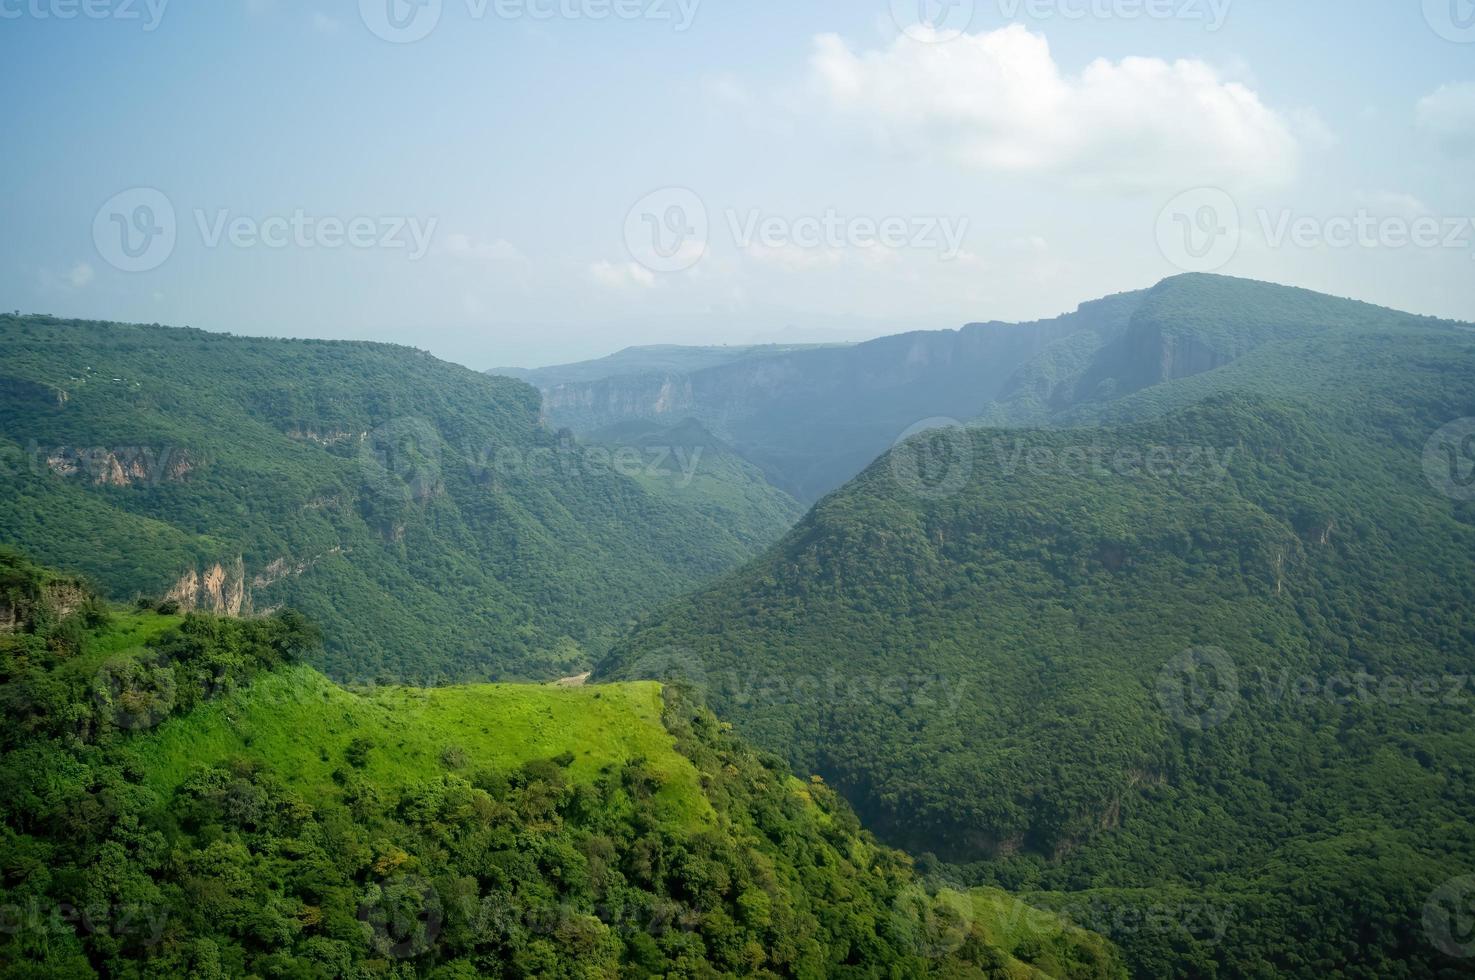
812,418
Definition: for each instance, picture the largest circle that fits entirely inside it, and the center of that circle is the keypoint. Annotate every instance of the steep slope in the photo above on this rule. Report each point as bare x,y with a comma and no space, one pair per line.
180,799
1213,660
813,418
421,511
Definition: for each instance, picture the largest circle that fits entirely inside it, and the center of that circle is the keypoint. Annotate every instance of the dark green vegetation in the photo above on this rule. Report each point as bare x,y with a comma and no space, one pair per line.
179,798
812,418
1198,675
420,511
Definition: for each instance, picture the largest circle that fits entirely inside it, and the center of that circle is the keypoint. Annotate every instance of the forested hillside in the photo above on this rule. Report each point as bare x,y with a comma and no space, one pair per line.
179,796
1205,665
422,512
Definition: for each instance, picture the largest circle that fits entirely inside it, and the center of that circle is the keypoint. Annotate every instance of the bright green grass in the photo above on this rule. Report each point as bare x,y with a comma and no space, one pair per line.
1055,946
300,724
127,631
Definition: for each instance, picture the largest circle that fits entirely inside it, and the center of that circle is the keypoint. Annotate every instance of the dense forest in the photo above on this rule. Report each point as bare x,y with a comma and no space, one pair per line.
179,796
1199,653
421,512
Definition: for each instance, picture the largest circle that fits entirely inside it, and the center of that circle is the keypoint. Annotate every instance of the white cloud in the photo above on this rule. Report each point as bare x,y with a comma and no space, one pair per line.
621,275
462,246
1448,115
998,102
80,275
324,24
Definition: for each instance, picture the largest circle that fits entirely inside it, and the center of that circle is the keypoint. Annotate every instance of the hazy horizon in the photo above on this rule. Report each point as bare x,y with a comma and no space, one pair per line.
721,174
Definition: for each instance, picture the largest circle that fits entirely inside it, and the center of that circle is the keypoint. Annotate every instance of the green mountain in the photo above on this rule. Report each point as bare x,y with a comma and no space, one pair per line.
813,417
1191,664
422,512
180,796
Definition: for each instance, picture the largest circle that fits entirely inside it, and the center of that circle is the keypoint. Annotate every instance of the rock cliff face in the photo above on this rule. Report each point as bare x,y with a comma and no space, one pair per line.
121,466
219,588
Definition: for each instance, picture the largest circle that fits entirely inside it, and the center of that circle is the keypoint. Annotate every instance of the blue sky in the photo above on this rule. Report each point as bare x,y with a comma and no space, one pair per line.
1027,154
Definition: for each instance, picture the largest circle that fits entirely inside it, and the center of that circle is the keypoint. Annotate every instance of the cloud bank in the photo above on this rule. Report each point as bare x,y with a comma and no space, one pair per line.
998,102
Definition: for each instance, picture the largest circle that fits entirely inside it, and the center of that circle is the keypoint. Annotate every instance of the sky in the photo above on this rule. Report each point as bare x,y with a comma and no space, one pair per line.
526,182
